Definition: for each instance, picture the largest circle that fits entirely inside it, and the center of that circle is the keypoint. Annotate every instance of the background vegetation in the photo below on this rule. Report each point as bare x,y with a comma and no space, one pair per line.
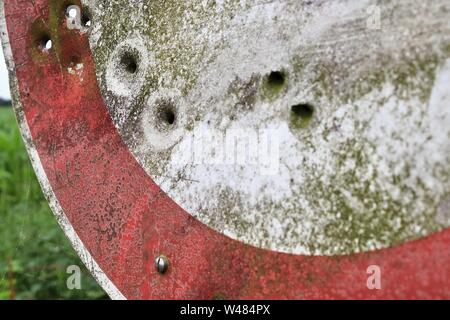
34,253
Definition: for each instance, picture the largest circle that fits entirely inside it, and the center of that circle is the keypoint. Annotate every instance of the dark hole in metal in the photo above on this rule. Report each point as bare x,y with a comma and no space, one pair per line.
45,42
304,111
129,63
169,117
302,115
86,18
167,114
276,79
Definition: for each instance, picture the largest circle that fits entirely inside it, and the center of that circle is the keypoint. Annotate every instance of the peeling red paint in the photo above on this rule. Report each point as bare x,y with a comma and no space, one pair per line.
126,221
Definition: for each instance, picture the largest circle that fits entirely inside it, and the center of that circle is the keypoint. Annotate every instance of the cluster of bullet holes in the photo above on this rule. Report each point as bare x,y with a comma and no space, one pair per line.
301,114
45,42
165,109
166,112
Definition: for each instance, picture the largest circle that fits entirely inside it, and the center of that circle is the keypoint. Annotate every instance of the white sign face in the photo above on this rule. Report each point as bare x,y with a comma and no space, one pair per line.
314,129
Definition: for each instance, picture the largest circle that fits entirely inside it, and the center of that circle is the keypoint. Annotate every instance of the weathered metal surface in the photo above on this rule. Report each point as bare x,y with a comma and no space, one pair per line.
109,112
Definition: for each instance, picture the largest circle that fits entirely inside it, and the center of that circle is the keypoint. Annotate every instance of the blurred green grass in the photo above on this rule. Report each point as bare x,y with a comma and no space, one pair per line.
34,253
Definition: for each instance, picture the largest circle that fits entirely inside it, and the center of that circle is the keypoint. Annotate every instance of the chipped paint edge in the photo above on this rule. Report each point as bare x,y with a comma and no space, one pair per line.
84,254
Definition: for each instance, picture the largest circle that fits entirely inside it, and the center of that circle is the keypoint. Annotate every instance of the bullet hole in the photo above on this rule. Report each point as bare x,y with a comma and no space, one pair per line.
301,115
274,83
129,63
45,42
86,20
48,44
166,115
169,117
275,79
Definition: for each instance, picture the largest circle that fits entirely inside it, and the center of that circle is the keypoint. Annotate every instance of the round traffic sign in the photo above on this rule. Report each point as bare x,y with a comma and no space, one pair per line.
241,149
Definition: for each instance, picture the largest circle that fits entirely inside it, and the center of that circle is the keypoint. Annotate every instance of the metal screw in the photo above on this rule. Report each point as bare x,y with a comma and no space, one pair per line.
161,264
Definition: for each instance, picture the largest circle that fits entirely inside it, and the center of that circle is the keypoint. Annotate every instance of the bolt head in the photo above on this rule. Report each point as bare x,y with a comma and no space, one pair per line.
161,264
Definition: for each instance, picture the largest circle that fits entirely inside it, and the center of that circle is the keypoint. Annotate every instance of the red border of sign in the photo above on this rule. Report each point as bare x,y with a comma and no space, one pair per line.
125,220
